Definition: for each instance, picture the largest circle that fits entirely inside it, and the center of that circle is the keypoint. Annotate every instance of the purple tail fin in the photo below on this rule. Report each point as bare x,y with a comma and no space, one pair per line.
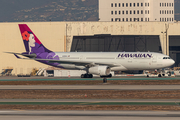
31,42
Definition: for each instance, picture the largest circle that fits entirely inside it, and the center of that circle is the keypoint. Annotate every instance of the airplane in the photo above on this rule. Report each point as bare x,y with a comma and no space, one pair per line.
94,63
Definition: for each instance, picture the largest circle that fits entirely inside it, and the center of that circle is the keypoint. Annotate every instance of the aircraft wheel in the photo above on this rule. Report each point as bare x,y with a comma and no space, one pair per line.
90,76
110,75
104,80
82,76
86,75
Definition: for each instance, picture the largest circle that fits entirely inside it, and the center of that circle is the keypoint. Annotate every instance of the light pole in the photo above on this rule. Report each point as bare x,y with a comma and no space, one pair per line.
166,42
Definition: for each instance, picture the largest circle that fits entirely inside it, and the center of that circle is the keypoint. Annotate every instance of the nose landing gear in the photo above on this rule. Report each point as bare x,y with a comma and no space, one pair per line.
104,80
91,76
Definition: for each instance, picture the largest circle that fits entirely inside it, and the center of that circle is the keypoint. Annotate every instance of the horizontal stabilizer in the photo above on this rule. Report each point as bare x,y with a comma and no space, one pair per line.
17,56
25,55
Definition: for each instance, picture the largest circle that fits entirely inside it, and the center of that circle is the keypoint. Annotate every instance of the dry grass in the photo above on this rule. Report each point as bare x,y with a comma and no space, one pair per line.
90,107
94,82
91,94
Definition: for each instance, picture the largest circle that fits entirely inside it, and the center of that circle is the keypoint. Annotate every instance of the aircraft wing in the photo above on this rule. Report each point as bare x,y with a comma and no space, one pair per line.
78,62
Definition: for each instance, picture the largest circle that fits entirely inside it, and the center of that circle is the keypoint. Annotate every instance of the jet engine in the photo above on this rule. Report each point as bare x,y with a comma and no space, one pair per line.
100,70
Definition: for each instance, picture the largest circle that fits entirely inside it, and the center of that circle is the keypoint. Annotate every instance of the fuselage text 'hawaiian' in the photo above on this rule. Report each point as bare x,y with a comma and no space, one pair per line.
135,55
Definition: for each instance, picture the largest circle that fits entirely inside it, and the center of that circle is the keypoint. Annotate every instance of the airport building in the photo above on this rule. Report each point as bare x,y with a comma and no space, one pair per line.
89,37
136,10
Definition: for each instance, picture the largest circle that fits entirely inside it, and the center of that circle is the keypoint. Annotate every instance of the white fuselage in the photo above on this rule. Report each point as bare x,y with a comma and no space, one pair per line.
120,61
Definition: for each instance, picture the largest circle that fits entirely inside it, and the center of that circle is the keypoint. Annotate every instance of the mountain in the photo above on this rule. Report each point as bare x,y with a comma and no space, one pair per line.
46,10
54,10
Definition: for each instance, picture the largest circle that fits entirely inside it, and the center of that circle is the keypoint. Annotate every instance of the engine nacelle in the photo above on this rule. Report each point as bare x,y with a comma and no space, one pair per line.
100,70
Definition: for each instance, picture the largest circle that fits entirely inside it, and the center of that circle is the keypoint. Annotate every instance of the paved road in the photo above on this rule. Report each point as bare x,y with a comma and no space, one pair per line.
90,87
89,115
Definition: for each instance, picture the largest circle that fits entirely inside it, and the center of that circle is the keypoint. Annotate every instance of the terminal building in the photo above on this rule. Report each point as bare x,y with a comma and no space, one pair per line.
136,10
89,37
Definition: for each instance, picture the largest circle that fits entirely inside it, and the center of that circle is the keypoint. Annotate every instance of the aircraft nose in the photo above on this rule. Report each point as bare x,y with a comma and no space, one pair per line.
169,62
172,62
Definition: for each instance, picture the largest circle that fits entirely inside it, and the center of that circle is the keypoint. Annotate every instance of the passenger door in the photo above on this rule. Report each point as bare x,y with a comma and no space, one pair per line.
154,59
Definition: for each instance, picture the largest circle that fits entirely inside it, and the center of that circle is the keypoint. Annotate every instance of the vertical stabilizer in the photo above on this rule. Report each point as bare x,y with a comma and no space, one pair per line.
31,42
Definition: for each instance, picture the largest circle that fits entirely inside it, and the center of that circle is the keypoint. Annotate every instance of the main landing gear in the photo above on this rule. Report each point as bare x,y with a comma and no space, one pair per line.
86,76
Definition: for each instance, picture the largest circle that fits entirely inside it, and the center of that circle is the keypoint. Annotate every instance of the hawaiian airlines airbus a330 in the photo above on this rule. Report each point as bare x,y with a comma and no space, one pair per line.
98,63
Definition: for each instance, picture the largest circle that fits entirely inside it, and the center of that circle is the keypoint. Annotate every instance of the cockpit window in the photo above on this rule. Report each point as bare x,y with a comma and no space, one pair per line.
166,58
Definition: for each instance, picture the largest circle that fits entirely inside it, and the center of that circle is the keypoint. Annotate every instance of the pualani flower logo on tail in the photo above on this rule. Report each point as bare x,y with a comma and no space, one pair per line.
29,41
25,36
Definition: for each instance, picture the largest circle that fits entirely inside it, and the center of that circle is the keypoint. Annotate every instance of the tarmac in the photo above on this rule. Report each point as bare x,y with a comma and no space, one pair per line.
89,115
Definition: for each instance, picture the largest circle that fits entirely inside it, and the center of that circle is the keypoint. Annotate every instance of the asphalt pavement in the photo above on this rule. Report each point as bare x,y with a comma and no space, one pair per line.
89,115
